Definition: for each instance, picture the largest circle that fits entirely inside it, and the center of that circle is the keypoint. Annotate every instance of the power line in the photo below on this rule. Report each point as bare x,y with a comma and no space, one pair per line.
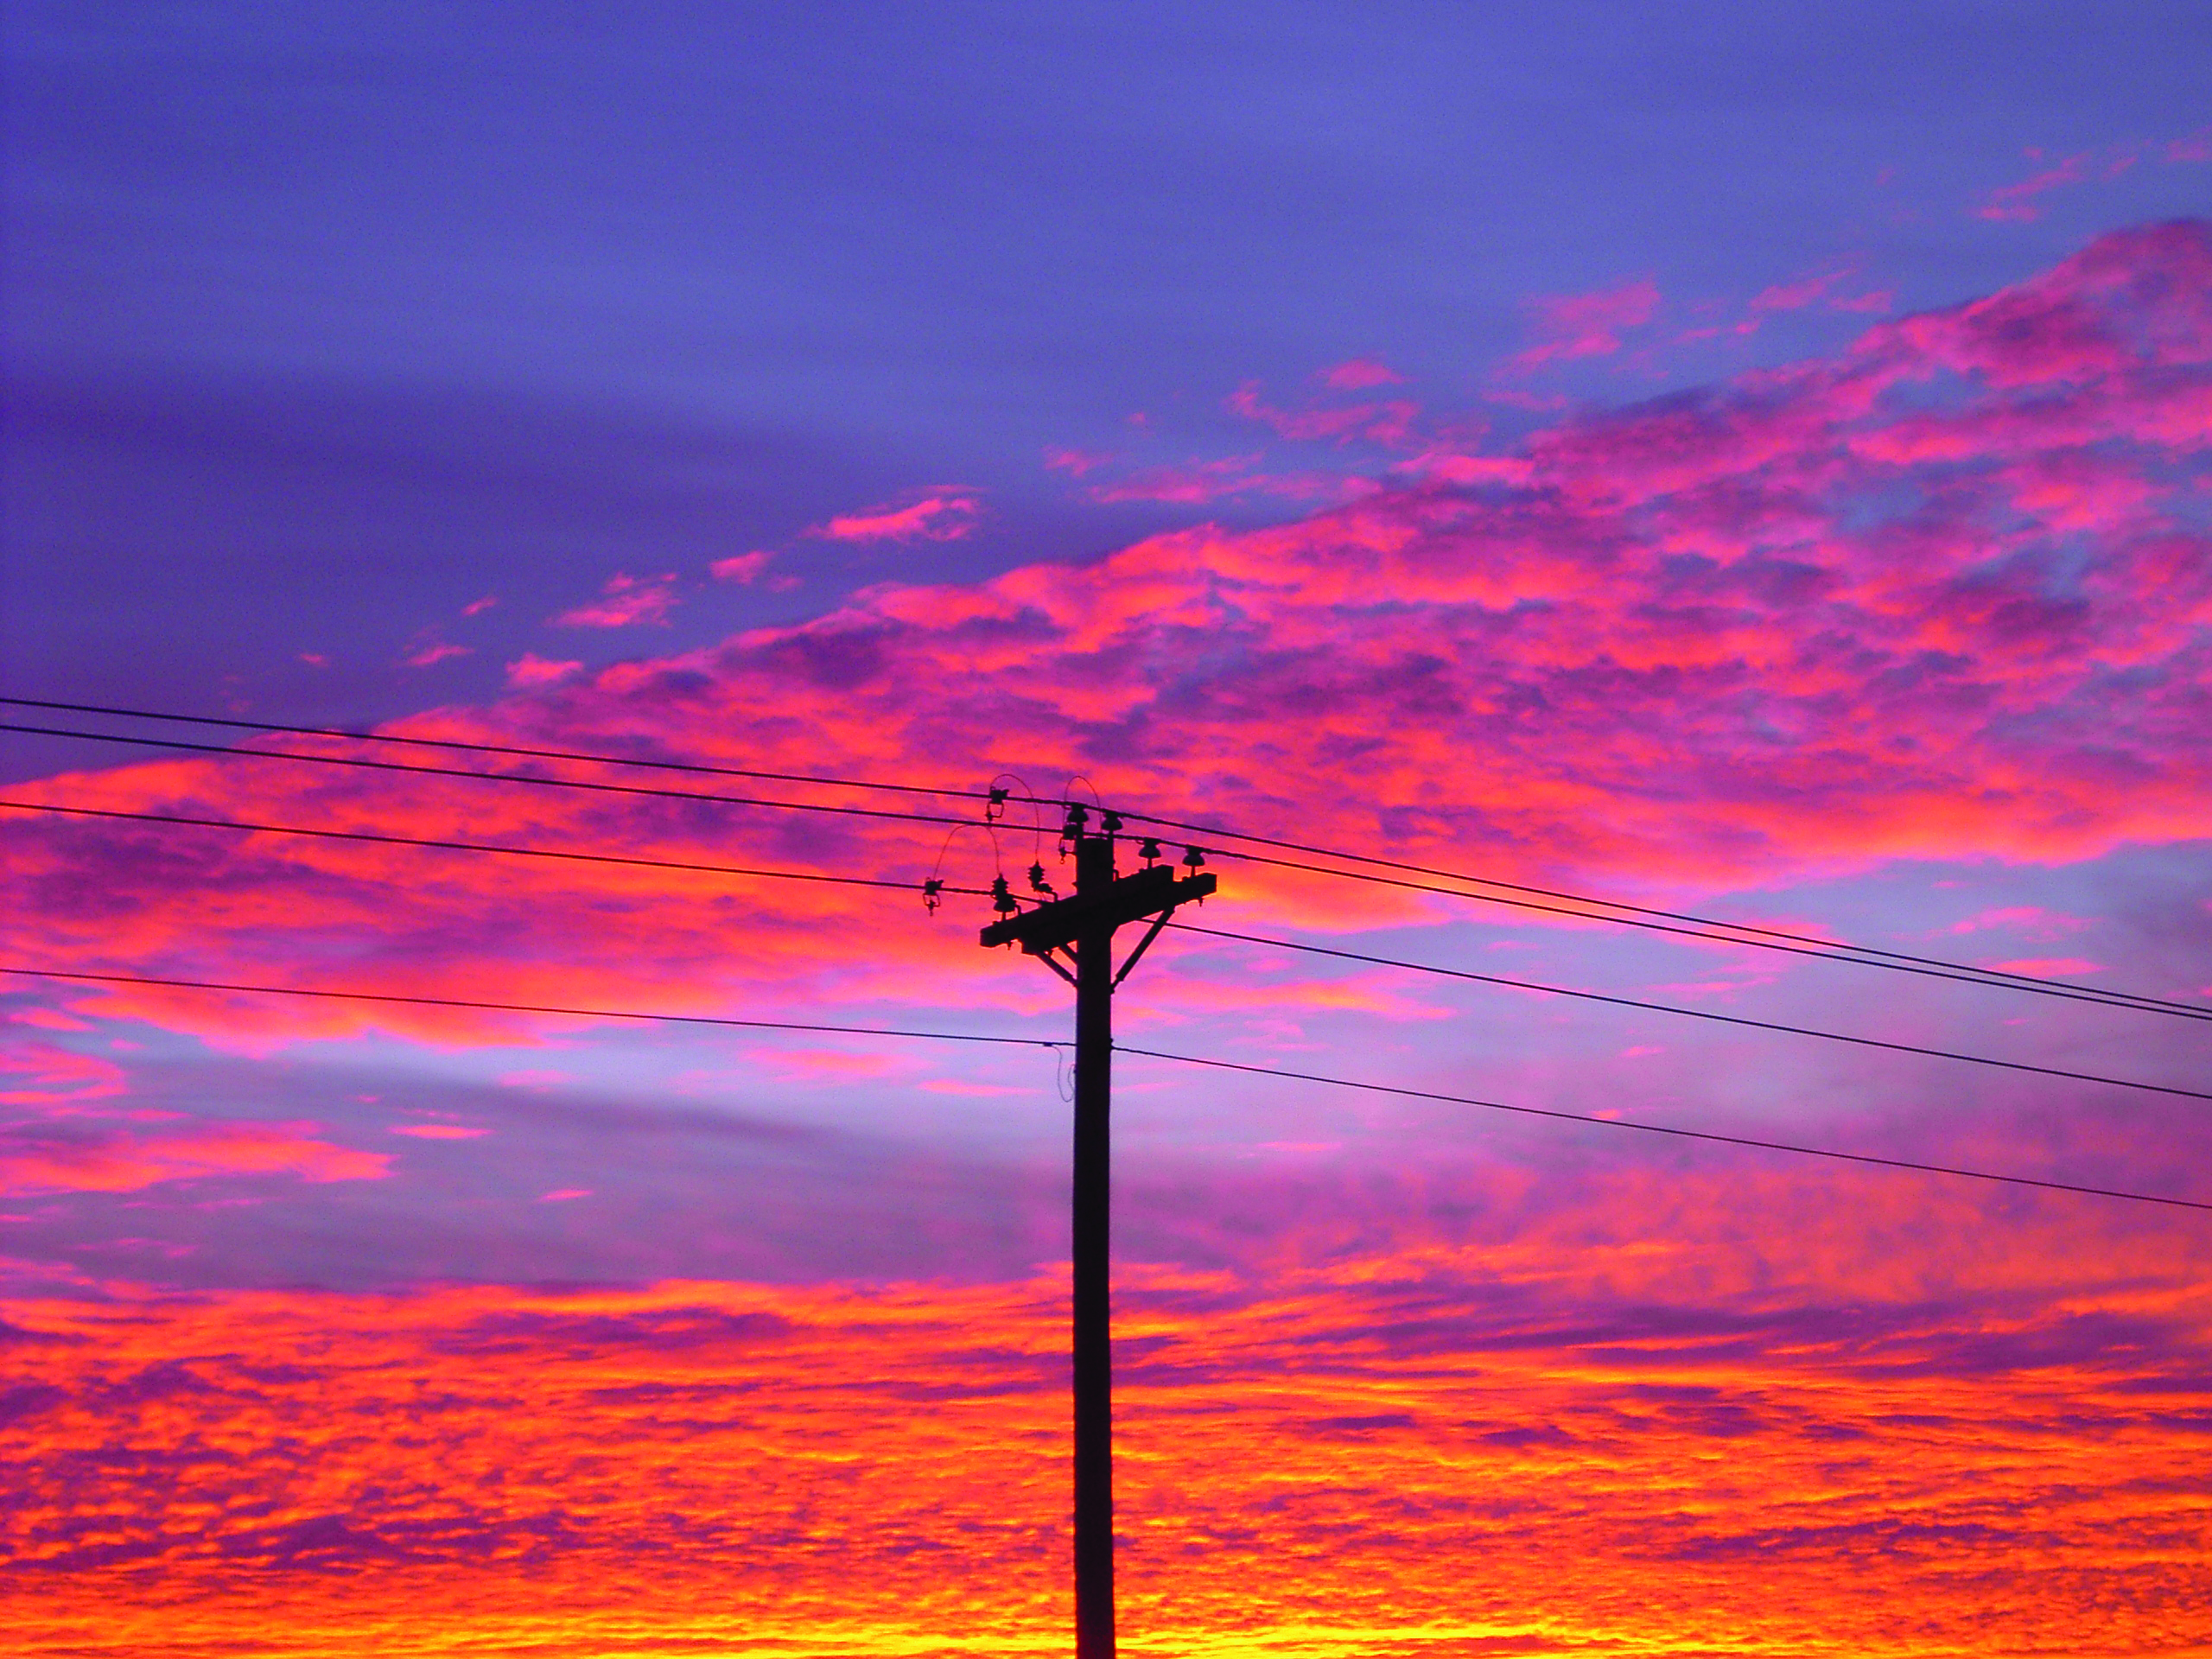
593,785
524,1007
481,847
1149,1053
1819,950
1671,1129
1189,927
1578,906
1688,1014
1220,933
693,766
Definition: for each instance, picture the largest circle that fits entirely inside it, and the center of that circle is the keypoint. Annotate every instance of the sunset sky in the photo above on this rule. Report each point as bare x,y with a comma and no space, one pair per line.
1750,462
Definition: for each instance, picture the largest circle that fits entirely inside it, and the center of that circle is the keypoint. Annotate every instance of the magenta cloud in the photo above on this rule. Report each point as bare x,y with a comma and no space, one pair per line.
1358,374
625,601
1386,424
944,513
1943,593
743,567
532,670
1572,326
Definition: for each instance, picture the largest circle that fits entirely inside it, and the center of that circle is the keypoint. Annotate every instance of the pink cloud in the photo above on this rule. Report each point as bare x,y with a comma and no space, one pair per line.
1572,326
1189,484
1793,296
2030,920
121,1162
530,670
624,603
1357,374
2196,147
478,606
2017,201
46,1074
1384,423
436,652
438,1131
945,514
1195,483
1941,593
2043,967
1077,462
741,567
564,1194
315,659
823,1063
1452,468
45,1020
1820,290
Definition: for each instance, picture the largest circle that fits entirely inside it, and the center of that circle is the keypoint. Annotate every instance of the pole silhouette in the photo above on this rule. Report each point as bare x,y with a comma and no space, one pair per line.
1074,938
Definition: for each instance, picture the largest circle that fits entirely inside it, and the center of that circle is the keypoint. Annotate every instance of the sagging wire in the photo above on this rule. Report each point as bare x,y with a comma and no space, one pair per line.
997,804
933,886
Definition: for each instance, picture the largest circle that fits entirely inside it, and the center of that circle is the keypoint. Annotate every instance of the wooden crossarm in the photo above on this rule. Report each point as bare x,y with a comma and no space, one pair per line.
1131,899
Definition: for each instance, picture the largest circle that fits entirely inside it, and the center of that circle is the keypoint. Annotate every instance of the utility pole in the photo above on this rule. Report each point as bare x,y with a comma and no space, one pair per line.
1080,930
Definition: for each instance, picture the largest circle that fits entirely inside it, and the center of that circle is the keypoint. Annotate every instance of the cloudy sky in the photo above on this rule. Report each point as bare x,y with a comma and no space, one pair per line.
1744,462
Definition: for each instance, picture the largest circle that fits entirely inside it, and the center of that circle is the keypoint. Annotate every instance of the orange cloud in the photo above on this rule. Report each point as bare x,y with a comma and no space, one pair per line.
1372,1434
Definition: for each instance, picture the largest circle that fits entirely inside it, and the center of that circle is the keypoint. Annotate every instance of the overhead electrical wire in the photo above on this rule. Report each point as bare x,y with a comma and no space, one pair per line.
1337,952
1672,1130
524,1007
1688,1014
1675,1131
383,839
1819,950
596,785
702,768
1573,905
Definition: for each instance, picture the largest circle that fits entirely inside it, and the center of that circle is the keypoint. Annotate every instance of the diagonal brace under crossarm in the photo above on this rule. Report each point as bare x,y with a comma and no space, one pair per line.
1052,962
1144,944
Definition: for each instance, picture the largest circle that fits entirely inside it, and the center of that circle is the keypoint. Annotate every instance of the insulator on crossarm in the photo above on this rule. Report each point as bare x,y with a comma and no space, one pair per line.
994,808
1001,900
1192,858
1110,823
931,890
1037,881
1149,851
1077,816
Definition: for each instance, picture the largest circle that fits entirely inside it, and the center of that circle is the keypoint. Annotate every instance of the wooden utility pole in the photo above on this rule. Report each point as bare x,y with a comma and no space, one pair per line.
1080,930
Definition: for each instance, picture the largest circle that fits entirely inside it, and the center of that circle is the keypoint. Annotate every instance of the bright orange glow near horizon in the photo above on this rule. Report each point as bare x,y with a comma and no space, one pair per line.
1433,1450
